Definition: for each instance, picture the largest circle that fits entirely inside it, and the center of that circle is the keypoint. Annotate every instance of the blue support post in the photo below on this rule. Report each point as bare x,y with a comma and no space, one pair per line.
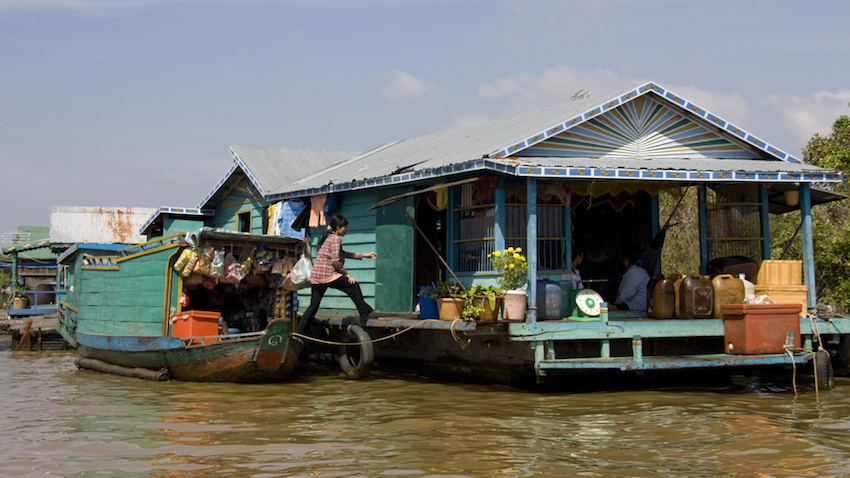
531,244
499,229
808,244
451,228
765,223
703,229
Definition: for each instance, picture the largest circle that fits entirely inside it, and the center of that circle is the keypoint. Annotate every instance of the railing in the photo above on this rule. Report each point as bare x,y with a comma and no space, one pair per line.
29,305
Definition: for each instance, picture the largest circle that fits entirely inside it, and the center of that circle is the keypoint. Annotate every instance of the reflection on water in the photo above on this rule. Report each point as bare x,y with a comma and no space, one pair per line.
60,421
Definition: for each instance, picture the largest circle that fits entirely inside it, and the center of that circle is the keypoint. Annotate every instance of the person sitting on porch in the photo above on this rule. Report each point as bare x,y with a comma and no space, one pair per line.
576,277
329,272
632,292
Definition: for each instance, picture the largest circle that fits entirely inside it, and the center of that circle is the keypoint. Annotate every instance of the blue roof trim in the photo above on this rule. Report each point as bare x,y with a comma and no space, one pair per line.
648,88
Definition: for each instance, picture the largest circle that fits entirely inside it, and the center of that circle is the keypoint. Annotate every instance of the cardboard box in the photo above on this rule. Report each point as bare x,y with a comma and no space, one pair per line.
196,323
760,328
786,294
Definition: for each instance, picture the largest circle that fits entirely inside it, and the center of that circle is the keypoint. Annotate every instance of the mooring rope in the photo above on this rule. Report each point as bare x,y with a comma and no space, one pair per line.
381,339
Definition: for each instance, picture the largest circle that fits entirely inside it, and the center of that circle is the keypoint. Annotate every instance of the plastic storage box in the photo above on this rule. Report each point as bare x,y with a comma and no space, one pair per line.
196,323
760,328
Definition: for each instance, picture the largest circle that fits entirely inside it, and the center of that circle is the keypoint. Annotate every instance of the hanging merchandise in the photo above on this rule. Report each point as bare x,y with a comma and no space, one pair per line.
217,264
246,257
181,262
317,205
263,258
299,276
233,271
290,212
190,264
205,255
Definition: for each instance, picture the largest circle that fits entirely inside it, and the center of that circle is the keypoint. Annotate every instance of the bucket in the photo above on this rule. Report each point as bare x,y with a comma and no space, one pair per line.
661,294
515,303
696,298
548,300
727,290
428,303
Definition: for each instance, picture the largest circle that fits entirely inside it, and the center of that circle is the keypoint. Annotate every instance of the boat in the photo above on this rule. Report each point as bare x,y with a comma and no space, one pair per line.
157,310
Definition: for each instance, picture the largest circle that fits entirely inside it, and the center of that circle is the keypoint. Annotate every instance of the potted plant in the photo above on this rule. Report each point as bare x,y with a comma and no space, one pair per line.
20,299
451,298
487,301
513,269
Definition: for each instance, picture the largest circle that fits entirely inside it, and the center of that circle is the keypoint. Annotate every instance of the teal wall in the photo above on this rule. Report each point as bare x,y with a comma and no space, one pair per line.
128,301
172,226
387,282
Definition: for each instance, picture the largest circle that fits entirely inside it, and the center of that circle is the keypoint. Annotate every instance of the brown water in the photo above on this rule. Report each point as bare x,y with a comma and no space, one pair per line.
60,421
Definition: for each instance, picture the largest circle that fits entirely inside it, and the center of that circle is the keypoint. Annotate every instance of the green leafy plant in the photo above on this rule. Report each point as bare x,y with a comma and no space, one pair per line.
448,289
20,293
512,265
489,292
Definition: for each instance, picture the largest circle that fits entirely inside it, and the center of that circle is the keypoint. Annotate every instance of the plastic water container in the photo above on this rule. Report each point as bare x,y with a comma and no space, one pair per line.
727,290
548,300
749,289
696,298
428,303
661,297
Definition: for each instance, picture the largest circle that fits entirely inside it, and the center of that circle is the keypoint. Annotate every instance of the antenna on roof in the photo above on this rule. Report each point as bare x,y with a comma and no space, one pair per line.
580,94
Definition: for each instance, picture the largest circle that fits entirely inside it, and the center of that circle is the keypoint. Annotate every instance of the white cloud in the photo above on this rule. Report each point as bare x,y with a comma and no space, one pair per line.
404,86
803,117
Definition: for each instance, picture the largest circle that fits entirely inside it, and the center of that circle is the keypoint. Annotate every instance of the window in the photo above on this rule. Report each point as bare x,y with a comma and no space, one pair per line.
243,222
733,221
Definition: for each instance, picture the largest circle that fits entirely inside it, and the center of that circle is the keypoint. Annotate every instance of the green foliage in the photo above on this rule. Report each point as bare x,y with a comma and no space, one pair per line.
679,256
830,222
489,292
513,267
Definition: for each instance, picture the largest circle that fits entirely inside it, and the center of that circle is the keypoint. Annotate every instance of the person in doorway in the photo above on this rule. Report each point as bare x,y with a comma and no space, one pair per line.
632,292
329,272
576,277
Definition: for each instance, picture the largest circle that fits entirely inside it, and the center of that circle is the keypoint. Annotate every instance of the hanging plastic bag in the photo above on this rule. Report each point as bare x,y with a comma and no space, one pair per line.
299,276
205,255
190,264
181,262
233,271
217,264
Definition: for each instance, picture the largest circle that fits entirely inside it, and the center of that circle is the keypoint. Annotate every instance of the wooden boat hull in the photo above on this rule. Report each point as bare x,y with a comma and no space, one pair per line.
269,357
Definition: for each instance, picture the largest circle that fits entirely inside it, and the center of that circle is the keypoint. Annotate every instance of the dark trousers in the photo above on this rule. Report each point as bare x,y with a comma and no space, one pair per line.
318,291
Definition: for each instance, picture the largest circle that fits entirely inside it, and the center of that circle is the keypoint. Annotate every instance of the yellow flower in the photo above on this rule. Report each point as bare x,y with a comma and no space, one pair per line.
510,250
517,256
518,249
511,266
497,253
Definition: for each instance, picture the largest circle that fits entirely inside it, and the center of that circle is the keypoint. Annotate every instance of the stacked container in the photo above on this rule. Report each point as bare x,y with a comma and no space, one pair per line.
783,282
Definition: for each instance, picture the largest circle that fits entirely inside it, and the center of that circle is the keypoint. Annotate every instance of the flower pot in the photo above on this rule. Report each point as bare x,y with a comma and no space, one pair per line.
449,309
488,314
515,303
20,303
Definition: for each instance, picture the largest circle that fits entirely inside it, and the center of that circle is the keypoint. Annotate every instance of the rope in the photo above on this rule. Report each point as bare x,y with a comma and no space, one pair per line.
330,342
794,369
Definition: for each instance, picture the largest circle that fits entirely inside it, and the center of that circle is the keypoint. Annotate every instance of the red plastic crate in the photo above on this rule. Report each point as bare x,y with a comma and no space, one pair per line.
195,323
760,328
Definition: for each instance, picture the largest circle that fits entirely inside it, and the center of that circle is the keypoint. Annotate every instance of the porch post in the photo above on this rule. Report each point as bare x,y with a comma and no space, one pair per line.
451,227
808,244
531,246
499,226
765,223
703,229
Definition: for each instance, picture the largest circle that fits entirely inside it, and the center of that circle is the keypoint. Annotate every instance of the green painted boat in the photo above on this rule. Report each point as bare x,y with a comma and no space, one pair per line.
133,308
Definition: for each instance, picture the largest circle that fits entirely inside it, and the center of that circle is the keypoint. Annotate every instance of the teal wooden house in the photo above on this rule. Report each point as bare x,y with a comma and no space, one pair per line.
580,176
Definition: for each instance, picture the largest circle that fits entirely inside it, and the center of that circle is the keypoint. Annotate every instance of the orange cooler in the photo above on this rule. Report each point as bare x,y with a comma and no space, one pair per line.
760,328
195,323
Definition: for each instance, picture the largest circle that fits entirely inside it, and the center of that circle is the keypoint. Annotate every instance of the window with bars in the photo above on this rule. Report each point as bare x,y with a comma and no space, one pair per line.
475,230
733,221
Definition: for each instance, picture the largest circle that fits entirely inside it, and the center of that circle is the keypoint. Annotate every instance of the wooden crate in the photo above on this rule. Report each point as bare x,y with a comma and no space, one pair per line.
780,273
786,294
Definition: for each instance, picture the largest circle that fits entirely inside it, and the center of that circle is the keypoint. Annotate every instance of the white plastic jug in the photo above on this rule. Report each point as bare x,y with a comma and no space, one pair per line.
749,289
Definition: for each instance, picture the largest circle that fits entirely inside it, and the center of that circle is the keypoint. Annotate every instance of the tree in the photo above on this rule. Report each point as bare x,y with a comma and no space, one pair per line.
830,222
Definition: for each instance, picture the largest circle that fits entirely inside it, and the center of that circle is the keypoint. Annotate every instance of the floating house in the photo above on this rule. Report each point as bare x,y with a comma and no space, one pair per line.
581,176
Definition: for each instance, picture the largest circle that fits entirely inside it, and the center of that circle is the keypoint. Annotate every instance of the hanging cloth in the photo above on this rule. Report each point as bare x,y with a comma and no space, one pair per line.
317,213
289,212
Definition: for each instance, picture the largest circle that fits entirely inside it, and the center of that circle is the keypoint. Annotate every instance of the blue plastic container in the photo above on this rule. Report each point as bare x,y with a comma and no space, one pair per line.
548,300
428,303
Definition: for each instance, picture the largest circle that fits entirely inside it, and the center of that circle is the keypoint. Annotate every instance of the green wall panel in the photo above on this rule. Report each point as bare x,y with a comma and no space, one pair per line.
394,245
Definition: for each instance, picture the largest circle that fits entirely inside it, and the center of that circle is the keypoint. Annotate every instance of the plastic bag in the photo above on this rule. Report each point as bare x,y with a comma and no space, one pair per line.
233,271
299,276
217,264
181,262
205,255
190,264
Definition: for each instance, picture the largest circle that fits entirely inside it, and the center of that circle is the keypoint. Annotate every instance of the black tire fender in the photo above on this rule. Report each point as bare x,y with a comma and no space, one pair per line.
357,354
825,371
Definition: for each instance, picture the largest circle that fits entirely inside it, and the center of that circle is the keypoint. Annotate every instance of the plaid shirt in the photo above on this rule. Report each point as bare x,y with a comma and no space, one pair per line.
330,261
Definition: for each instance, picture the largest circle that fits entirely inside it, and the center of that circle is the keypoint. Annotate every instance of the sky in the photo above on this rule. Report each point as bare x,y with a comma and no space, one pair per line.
135,103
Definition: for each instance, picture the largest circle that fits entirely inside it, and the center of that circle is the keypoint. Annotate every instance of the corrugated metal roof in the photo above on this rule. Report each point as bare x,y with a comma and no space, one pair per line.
120,225
495,146
264,164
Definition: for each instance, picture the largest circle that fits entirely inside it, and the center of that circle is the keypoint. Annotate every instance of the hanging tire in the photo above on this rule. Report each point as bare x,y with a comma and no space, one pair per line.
357,355
826,374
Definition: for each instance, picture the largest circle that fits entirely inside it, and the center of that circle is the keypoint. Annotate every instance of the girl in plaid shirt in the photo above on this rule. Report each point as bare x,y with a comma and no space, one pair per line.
329,272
